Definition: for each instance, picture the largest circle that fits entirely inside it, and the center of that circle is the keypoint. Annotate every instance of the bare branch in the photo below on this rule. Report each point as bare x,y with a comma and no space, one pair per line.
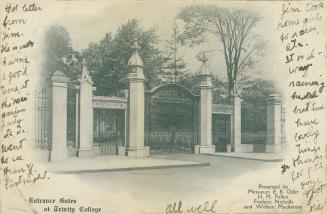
234,28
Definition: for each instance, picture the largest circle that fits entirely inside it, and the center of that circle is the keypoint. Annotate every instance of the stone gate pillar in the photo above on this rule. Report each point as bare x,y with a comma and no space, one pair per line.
205,108
236,124
59,151
86,114
136,105
274,111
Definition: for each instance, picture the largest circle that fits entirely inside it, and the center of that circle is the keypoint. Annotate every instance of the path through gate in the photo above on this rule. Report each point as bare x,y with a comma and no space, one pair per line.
108,130
221,131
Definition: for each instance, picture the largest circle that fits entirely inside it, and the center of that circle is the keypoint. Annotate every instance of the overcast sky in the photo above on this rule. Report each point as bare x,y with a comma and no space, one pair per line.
88,22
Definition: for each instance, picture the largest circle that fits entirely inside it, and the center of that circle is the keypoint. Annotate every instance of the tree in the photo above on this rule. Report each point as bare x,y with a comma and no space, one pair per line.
220,90
220,87
234,28
175,67
257,91
108,58
57,46
190,81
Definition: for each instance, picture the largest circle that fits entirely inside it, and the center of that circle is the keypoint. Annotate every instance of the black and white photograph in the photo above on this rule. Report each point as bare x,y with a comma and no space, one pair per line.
163,107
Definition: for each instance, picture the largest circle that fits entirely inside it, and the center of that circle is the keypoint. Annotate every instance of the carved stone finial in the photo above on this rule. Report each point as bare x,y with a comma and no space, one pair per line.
84,62
136,45
204,70
202,56
85,73
135,60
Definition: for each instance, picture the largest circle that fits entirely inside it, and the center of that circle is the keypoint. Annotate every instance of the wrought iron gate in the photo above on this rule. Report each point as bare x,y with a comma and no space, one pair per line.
254,123
108,130
72,139
221,131
170,120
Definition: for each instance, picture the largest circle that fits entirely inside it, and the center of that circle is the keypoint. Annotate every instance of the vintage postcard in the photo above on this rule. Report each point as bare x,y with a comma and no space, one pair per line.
163,107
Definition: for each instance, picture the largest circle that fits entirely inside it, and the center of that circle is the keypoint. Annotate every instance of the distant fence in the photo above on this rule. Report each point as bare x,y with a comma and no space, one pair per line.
283,118
254,123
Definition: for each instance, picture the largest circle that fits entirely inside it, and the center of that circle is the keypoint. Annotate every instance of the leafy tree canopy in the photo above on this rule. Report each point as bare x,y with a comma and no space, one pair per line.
233,28
254,91
175,66
220,87
258,90
108,58
57,46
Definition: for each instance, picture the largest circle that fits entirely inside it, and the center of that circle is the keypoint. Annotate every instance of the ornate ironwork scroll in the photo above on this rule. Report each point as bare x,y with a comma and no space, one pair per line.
171,119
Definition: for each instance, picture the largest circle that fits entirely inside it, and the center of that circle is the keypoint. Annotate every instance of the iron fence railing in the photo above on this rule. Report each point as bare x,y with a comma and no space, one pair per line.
72,109
221,131
283,121
42,118
108,130
254,123
163,142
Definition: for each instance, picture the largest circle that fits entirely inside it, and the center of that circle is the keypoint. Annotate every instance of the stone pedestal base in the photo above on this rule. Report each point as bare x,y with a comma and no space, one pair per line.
85,153
256,148
197,149
246,148
96,150
229,148
273,148
286,147
138,152
42,155
207,149
59,155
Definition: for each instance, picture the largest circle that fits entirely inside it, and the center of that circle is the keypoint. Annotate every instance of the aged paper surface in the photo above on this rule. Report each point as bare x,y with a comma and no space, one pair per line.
163,107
